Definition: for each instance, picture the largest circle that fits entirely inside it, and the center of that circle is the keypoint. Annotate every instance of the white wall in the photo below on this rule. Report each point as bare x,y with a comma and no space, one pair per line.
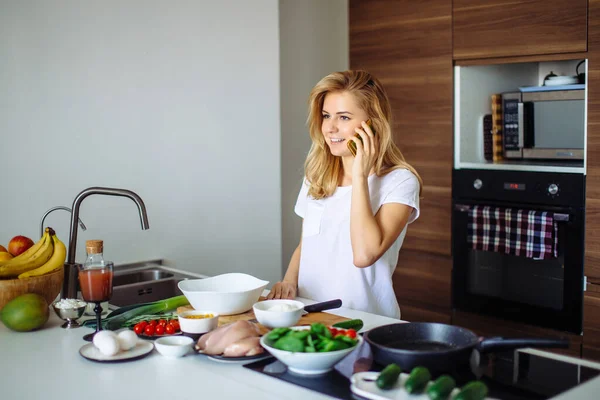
314,43
178,101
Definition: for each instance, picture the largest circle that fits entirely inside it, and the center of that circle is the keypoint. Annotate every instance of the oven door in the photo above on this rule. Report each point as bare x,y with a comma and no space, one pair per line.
546,293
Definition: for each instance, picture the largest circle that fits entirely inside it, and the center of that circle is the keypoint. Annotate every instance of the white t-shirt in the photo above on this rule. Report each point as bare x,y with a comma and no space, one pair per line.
327,270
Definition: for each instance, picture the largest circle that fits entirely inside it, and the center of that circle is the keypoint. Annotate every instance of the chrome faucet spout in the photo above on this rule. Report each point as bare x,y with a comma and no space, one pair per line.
81,224
69,289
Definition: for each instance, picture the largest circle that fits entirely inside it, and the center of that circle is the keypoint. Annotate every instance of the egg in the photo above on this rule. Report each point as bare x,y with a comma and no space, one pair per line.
107,343
127,340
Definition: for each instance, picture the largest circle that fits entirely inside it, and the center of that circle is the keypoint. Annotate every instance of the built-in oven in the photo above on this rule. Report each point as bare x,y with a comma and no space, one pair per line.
518,246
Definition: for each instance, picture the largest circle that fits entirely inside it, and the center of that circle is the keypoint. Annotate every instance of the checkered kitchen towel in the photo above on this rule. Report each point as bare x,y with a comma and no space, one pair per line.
525,233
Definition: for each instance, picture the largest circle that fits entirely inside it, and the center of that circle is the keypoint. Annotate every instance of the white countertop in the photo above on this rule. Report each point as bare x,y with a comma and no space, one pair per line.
46,364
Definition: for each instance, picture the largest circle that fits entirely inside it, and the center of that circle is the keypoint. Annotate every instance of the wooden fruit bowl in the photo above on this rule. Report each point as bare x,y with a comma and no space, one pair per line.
47,286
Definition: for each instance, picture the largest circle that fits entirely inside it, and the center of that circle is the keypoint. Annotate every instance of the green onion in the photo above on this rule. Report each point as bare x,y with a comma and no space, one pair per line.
118,320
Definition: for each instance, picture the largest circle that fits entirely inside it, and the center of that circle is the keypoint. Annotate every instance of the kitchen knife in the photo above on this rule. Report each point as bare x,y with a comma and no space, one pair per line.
325,305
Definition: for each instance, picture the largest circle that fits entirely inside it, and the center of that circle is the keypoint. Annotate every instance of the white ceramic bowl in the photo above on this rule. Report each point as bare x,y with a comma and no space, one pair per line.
174,346
193,325
225,294
267,316
308,363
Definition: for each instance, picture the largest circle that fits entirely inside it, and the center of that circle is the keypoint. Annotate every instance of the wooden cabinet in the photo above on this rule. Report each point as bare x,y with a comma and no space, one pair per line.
508,28
592,222
407,45
591,323
591,310
488,327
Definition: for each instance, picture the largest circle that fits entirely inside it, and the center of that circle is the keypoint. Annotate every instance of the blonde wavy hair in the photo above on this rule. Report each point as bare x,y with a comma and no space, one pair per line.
324,170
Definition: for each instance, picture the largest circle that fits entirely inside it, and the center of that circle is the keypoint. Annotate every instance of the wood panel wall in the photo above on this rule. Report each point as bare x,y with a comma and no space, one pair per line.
407,45
591,310
592,232
507,28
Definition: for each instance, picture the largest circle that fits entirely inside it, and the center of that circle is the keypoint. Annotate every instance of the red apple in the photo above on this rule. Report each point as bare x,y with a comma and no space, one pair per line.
19,244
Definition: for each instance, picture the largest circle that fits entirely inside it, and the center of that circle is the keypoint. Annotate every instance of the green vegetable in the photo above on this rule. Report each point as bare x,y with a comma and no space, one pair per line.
289,343
417,380
441,388
316,339
119,320
356,324
388,377
277,333
474,390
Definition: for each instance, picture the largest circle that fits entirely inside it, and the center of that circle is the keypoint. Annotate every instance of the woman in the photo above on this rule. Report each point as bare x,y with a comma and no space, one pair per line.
355,208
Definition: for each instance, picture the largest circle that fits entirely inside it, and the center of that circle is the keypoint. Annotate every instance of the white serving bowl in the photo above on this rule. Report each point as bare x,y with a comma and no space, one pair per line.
272,318
193,325
308,363
225,294
174,346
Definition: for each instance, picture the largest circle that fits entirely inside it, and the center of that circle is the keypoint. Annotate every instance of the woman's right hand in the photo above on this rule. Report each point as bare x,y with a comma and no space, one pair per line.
283,290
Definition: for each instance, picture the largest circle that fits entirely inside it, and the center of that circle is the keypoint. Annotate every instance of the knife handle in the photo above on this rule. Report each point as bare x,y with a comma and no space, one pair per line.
326,305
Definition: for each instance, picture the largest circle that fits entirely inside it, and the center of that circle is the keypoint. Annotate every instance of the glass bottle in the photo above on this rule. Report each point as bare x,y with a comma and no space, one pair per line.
95,257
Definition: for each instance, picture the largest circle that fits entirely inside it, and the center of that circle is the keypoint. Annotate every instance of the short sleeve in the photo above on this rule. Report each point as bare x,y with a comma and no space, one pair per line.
302,200
404,189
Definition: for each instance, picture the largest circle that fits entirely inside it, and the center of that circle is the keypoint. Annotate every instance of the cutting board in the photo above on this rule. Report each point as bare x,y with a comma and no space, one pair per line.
306,319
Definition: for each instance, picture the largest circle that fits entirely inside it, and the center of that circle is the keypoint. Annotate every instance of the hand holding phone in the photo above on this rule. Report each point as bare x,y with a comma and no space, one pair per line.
352,146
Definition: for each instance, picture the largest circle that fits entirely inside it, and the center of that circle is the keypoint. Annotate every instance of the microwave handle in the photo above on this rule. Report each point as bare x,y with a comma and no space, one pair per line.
521,124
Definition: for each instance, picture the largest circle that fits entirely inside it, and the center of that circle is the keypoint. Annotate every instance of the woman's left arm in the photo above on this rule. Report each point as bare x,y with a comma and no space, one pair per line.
372,235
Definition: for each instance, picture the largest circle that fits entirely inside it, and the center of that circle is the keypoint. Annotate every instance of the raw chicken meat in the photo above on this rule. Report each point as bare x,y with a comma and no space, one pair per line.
217,340
249,346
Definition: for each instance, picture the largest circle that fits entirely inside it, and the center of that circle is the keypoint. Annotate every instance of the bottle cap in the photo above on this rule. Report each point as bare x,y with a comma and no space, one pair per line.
94,246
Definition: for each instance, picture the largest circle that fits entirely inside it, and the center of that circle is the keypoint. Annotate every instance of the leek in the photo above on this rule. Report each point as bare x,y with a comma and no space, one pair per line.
117,319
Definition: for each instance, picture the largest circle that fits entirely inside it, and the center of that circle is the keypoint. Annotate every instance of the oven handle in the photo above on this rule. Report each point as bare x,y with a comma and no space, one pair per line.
559,217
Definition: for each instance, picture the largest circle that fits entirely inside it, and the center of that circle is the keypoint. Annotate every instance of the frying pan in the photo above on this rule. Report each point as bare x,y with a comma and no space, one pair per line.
439,347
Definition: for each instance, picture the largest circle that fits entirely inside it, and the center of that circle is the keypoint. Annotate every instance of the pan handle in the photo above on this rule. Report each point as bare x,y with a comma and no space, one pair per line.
499,343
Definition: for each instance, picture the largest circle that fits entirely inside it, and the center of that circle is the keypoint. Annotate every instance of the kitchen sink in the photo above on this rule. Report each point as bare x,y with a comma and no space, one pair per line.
145,282
150,275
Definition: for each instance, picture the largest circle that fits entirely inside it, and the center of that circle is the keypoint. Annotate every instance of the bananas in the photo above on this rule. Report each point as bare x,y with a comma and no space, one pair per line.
33,258
55,262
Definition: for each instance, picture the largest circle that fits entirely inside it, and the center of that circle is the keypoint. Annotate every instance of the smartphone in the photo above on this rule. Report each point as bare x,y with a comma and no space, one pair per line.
352,146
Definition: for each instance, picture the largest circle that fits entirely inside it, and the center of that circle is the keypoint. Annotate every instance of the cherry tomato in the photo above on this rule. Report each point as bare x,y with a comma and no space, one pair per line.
175,325
143,324
153,322
138,329
351,333
160,330
169,330
333,331
149,330
162,322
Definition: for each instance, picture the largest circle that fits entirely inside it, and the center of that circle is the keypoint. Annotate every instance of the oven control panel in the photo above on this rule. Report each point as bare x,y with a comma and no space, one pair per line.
518,186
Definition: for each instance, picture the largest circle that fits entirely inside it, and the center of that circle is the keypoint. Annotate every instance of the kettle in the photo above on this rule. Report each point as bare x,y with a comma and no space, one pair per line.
580,75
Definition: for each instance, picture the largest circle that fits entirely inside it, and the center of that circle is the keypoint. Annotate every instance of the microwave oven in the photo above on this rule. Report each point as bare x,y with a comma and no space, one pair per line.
544,125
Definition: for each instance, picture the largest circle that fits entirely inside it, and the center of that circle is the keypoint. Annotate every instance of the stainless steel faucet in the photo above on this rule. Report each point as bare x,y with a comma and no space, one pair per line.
81,224
69,288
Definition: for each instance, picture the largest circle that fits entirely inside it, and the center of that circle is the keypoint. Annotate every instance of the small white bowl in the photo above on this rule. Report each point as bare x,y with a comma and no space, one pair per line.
267,316
308,363
195,325
174,346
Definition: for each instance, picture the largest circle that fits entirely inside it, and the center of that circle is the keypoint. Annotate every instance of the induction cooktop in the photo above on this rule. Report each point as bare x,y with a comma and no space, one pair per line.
511,375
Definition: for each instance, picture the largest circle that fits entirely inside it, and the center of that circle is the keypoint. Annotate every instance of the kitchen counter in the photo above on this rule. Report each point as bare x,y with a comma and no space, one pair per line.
46,364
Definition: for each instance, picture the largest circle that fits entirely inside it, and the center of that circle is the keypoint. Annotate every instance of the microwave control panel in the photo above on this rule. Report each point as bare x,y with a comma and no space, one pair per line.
513,142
